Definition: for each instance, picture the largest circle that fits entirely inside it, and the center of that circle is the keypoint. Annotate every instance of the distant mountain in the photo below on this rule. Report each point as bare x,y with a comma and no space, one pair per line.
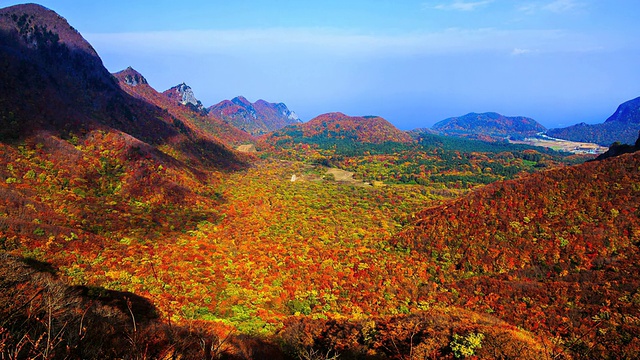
180,102
488,126
338,127
256,118
627,113
622,126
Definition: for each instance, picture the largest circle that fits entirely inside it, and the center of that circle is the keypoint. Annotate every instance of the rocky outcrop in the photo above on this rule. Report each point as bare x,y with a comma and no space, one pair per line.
131,77
183,94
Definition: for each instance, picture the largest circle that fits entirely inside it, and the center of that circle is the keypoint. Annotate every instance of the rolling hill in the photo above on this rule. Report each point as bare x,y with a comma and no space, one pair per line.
520,253
622,126
338,127
256,118
488,126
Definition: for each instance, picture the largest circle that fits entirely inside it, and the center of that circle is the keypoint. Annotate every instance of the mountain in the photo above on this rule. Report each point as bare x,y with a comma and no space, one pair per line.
181,103
53,81
256,118
338,127
72,139
622,126
627,113
41,54
488,126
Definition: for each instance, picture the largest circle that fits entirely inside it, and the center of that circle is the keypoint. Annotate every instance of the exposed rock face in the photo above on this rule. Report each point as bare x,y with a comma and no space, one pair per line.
185,96
256,118
248,148
131,77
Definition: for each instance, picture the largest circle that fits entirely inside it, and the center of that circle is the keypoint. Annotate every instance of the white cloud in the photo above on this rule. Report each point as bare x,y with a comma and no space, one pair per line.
560,6
325,44
520,51
556,6
461,5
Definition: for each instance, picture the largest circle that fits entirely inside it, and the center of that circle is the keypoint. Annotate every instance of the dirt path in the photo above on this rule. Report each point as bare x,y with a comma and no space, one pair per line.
346,177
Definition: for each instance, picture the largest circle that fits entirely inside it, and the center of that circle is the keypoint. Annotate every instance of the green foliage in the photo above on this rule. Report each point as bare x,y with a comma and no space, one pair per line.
465,346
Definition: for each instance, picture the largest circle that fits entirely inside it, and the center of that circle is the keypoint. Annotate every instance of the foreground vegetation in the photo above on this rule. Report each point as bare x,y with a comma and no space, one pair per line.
249,263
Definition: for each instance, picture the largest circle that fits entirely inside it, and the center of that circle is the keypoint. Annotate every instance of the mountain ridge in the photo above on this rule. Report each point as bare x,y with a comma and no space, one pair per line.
256,118
173,101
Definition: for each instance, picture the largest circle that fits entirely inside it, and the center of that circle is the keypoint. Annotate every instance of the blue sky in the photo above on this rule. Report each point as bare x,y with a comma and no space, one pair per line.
413,62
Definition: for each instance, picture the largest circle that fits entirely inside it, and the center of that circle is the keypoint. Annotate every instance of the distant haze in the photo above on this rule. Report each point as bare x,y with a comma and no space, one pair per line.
414,62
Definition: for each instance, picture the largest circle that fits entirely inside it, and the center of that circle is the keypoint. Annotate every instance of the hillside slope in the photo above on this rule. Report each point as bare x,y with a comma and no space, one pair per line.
561,260
72,139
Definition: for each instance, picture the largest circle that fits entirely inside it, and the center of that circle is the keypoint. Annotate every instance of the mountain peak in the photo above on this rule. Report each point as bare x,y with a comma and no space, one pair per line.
628,112
39,27
184,95
131,77
622,126
256,118
242,101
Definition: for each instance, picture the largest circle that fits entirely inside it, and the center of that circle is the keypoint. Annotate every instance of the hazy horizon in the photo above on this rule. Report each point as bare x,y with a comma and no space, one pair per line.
414,63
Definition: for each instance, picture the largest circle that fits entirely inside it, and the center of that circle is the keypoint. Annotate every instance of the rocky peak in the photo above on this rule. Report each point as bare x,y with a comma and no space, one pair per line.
131,77
241,101
245,104
291,115
185,96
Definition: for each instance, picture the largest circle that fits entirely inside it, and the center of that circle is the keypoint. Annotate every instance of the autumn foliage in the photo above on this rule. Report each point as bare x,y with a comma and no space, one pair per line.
129,228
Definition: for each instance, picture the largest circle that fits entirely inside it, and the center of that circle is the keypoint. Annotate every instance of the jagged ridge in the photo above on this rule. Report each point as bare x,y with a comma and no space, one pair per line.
256,118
